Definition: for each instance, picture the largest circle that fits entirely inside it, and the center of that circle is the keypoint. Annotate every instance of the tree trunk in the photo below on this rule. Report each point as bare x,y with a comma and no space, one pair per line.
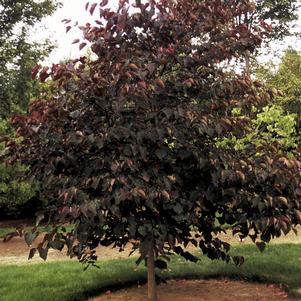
247,70
151,281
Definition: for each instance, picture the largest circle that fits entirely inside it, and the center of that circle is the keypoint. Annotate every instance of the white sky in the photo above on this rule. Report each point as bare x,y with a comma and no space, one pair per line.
56,30
75,10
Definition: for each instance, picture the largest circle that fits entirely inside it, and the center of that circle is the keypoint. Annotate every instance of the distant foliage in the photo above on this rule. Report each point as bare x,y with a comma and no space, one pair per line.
285,77
15,193
18,55
275,125
272,125
280,14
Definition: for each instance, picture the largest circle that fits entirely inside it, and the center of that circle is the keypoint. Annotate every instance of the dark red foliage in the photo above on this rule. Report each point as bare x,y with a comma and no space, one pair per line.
127,150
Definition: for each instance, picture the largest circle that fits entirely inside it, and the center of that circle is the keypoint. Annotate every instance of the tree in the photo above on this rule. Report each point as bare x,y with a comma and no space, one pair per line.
17,54
279,15
15,194
28,12
128,146
285,77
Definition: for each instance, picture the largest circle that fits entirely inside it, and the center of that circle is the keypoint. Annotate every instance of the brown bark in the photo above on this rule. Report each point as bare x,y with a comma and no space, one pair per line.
151,281
247,70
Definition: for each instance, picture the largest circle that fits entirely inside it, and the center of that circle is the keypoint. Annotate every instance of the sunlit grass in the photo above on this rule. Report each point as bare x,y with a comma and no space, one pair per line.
66,281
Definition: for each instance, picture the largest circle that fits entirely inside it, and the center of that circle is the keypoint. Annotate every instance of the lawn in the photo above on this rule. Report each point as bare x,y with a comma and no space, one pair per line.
66,281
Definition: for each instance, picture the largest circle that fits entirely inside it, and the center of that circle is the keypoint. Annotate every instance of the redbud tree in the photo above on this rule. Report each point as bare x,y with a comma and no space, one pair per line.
127,151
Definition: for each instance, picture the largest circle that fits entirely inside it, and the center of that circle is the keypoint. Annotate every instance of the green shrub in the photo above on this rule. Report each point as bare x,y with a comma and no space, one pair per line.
15,193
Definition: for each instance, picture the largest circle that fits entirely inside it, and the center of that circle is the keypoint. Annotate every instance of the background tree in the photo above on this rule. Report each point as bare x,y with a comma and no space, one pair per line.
16,195
285,77
17,54
279,15
128,146
272,124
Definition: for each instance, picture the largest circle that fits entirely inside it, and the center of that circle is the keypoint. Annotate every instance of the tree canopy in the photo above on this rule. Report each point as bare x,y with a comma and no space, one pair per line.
15,193
279,13
277,16
127,150
17,54
286,77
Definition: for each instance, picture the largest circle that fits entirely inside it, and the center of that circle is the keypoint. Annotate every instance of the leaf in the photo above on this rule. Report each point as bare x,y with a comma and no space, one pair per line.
226,246
166,195
104,3
39,218
266,237
261,246
43,252
87,6
178,250
142,84
75,114
56,245
160,264
142,231
75,41
160,83
138,261
168,112
68,28
241,175
178,209
95,182
133,66
10,236
82,45
32,252
161,153
282,200
30,237
145,176
238,260
253,237
190,257
92,8
66,21
141,193
35,71
44,74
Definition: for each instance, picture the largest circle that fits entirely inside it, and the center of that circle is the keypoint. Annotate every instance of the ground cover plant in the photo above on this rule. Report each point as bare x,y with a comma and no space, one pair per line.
279,264
127,148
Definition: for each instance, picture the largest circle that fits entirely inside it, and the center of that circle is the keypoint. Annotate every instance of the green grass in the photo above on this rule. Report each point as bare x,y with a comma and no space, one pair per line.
278,264
4,231
66,281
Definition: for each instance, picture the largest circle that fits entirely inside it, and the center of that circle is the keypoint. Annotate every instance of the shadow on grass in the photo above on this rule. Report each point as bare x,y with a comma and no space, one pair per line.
66,281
